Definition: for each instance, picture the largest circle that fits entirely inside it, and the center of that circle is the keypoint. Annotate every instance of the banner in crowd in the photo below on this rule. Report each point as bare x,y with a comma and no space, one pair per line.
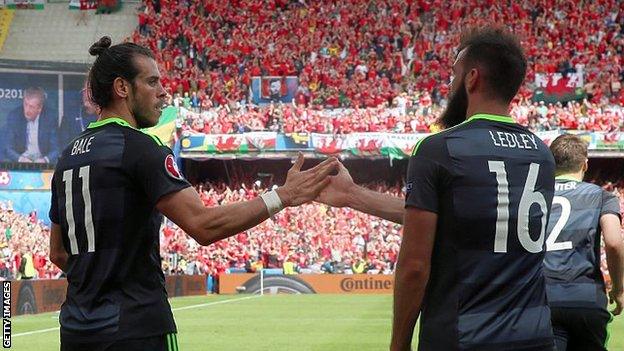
307,283
83,4
269,89
607,141
293,141
25,4
229,143
394,146
554,87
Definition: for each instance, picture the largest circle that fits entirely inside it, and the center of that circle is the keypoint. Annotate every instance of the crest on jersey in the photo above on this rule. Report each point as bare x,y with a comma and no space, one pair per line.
172,168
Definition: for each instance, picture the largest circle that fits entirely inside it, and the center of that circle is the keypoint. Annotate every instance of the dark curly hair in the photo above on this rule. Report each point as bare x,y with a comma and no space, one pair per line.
500,56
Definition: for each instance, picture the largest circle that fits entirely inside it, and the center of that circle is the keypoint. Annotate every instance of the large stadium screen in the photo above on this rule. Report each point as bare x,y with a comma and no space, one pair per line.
40,112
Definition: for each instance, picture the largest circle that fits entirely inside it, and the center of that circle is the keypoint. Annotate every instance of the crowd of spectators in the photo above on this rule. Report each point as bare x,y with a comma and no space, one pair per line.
312,238
365,54
409,114
24,246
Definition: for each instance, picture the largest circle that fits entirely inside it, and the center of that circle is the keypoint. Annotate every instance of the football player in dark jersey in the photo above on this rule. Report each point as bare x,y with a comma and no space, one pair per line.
581,214
476,209
109,189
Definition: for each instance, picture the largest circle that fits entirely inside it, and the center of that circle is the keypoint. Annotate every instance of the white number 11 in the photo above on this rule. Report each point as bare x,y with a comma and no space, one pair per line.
69,209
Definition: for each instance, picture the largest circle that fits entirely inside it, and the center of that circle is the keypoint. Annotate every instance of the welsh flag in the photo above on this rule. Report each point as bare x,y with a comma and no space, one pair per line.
366,144
554,87
328,143
398,146
226,144
261,140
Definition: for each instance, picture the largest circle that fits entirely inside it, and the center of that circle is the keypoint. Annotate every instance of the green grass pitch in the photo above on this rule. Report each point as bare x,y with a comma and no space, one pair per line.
270,322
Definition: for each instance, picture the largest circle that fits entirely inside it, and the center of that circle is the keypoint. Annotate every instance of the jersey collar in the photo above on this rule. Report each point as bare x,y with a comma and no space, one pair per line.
106,121
495,118
567,179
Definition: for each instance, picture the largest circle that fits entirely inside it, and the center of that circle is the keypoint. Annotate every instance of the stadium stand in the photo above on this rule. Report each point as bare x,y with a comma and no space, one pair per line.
364,54
35,34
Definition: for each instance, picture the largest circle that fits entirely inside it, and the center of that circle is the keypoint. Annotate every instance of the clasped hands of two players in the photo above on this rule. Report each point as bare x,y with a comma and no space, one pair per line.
316,183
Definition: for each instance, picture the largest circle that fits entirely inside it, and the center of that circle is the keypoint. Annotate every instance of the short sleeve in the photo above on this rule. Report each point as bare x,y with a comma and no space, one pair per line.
157,172
610,204
422,180
54,212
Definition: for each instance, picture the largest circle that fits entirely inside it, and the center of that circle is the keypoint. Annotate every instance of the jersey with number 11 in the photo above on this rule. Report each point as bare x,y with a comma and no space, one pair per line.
491,183
104,191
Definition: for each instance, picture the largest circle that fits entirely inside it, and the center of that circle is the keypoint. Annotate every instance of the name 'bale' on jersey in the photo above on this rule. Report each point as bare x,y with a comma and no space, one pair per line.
572,261
491,183
104,191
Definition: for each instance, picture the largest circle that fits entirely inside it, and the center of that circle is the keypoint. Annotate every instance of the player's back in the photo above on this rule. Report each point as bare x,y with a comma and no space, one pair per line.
110,228
572,260
486,289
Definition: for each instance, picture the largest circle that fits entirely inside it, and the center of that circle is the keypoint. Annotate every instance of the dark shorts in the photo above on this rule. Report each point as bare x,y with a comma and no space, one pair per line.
168,342
580,328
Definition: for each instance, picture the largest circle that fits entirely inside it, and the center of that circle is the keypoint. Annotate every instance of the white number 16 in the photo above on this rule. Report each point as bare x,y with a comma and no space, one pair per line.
528,198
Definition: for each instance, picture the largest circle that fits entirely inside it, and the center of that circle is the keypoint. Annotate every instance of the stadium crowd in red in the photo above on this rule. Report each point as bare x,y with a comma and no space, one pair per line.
409,115
24,246
365,53
315,238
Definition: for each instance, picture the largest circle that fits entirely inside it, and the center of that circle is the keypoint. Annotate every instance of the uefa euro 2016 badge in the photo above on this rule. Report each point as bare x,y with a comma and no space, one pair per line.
172,168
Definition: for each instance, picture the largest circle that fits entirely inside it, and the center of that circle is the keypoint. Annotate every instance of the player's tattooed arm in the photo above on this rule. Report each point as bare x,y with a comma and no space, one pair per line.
343,192
58,255
210,224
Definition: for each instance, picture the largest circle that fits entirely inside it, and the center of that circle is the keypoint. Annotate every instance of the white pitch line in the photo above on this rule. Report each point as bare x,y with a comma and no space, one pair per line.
215,303
174,309
34,332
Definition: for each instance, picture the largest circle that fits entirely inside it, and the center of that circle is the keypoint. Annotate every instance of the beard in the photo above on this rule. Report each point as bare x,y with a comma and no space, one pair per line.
144,115
455,112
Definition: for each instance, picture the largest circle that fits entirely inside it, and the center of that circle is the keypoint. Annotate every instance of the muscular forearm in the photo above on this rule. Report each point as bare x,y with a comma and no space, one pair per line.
386,206
224,221
409,290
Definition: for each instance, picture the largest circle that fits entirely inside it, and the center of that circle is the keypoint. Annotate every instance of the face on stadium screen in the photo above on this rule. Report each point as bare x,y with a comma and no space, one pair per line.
148,95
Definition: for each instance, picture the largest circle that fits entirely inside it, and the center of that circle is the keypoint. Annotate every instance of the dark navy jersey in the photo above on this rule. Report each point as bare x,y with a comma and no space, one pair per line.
572,261
104,191
491,183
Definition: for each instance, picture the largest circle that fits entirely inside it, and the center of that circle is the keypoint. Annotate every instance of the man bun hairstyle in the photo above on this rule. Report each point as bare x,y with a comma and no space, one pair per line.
111,62
98,47
500,57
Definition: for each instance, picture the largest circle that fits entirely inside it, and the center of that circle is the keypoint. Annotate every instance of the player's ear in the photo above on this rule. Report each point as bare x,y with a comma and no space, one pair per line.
471,79
585,165
121,88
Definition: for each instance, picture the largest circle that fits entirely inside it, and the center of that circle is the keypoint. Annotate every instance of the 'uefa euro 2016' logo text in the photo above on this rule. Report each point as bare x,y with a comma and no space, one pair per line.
370,283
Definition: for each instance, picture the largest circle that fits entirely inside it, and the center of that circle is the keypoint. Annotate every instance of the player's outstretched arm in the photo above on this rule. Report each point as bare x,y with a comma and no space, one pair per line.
58,255
412,274
343,192
210,224
614,248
